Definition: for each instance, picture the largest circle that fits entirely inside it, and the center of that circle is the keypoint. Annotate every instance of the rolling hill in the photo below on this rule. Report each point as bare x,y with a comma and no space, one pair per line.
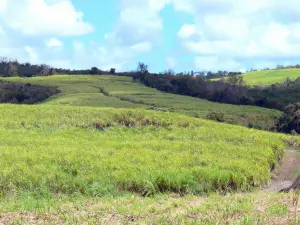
123,92
268,77
109,150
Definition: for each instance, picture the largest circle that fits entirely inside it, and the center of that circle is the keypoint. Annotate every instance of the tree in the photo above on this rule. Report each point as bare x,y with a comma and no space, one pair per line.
95,71
112,71
142,68
141,71
290,121
11,70
236,80
45,70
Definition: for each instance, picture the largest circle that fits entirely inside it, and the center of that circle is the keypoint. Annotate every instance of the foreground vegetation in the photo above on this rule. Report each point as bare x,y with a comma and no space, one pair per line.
255,208
96,152
123,92
65,164
108,150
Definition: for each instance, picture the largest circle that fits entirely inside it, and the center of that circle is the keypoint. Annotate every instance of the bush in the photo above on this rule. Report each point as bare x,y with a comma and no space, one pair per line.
290,121
24,93
217,116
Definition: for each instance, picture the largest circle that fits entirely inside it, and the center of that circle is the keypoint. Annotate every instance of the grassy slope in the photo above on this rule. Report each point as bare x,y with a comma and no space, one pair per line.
52,155
268,77
61,149
124,93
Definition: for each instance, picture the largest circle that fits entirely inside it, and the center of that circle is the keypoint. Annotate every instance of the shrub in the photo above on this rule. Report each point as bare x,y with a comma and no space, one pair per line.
290,121
217,116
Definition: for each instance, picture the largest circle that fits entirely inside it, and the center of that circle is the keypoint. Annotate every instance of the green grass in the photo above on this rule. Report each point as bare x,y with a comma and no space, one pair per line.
122,92
268,77
109,151
243,209
90,153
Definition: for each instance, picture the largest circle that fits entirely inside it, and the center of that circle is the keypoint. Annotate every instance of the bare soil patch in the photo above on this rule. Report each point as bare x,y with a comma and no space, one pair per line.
287,174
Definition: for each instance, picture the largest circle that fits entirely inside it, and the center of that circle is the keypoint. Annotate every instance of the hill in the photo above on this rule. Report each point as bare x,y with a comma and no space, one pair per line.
106,150
123,92
268,77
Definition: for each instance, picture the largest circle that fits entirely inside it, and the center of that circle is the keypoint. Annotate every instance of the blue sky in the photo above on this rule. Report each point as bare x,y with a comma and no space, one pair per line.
197,35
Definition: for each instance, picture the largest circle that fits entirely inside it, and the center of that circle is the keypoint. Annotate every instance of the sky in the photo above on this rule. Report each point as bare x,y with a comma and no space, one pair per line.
181,35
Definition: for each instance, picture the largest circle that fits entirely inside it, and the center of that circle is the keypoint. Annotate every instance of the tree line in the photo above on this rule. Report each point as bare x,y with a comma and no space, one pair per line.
13,68
231,90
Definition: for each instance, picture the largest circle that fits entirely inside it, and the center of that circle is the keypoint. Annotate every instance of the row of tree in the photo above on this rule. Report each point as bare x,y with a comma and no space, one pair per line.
11,68
231,91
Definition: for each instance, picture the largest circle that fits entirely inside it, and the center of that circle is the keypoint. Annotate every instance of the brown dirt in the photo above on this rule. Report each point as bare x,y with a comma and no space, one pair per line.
288,172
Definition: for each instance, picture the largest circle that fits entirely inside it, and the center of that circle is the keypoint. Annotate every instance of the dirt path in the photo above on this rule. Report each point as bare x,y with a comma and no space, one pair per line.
287,173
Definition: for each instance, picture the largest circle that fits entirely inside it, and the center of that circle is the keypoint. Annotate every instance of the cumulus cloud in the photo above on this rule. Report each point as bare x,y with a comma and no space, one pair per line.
41,26
256,32
137,31
224,34
43,18
186,31
208,62
54,42
29,30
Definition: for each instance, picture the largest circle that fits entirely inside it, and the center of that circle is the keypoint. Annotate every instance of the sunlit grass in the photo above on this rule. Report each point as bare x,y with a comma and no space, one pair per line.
268,77
97,141
105,151
122,92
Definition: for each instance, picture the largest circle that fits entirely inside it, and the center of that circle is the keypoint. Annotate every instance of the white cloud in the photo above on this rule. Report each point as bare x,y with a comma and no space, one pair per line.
3,5
224,34
145,46
54,42
186,31
245,32
29,30
42,18
210,62
32,53
137,31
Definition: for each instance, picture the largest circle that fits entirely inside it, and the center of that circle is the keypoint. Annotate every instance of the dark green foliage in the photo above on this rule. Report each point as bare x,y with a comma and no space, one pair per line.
112,71
95,71
231,91
18,93
290,121
217,116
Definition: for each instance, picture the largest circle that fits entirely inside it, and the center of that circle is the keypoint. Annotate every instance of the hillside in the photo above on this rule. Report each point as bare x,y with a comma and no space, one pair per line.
122,92
268,77
108,150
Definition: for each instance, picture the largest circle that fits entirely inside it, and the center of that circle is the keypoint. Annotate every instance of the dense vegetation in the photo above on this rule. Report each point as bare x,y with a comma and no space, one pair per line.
13,68
19,93
123,92
290,121
231,91
106,148
60,150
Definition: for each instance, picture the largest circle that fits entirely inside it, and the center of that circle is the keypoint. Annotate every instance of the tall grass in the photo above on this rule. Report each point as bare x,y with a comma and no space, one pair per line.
96,152
122,92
